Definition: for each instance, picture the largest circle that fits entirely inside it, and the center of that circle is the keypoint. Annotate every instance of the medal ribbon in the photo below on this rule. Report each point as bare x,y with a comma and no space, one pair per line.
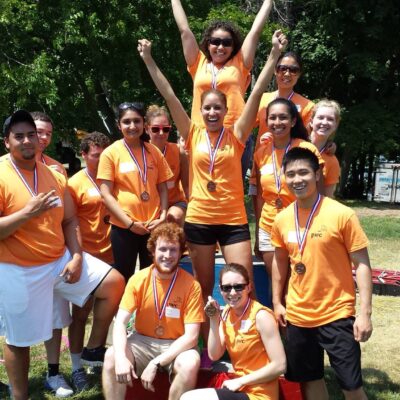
164,303
164,151
92,180
323,149
33,192
214,75
213,153
289,97
301,240
240,318
43,160
276,176
143,174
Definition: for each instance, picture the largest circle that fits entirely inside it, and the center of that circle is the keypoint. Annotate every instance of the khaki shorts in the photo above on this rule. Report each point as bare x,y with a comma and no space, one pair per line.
264,241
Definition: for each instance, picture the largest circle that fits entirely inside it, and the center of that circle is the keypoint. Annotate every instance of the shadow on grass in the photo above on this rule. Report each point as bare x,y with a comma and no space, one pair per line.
377,385
373,205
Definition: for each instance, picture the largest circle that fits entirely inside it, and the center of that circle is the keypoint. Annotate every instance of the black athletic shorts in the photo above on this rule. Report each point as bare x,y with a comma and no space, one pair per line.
226,394
211,234
305,347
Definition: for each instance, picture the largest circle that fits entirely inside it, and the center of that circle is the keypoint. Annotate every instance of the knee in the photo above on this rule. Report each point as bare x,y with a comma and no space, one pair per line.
112,287
357,394
188,366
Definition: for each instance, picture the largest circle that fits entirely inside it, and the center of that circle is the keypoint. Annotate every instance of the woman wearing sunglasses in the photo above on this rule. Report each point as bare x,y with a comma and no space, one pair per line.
249,332
158,127
216,212
133,176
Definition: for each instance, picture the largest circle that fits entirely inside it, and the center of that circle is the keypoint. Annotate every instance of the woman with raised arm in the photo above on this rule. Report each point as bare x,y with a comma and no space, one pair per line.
133,175
216,211
249,332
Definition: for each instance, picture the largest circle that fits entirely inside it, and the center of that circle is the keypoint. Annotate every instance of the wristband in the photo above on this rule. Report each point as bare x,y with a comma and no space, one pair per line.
130,226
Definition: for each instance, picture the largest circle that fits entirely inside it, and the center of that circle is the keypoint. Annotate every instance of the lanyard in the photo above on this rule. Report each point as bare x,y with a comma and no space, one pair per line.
213,153
92,180
161,312
143,174
277,176
214,75
240,318
33,192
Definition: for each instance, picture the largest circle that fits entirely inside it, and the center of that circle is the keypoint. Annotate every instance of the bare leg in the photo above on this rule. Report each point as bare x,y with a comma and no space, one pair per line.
76,331
357,394
108,296
17,366
267,257
176,214
186,367
315,390
53,347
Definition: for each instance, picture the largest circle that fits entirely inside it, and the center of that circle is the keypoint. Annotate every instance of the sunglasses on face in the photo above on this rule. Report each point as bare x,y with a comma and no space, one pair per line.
239,287
293,69
134,105
227,42
158,128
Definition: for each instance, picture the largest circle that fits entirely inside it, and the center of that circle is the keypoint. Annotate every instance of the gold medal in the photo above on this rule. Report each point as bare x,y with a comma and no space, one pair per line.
210,310
300,268
145,196
159,331
278,203
211,186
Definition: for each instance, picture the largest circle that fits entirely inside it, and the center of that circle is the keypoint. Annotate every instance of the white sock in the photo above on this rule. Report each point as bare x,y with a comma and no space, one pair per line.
76,361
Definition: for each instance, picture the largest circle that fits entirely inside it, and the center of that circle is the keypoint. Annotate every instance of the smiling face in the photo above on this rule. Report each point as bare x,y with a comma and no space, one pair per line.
213,110
156,127
45,132
235,298
220,51
166,256
286,79
324,122
131,125
280,121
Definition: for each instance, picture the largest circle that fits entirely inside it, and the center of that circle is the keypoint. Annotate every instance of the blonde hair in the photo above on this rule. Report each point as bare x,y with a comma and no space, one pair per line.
330,104
154,111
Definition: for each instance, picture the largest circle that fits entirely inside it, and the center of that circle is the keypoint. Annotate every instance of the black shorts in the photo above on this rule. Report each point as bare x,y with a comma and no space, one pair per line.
211,234
305,347
226,394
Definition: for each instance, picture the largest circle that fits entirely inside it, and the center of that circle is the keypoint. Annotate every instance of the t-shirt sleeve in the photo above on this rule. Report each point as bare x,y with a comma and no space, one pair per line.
73,191
106,169
193,68
332,171
194,306
353,235
307,113
129,301
276,236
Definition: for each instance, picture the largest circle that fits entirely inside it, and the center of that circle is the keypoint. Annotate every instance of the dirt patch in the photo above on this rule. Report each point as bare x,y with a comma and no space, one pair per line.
377,212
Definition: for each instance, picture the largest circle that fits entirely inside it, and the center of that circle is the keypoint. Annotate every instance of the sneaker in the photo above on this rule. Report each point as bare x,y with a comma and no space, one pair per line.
93,357
58,386
79,380
205,361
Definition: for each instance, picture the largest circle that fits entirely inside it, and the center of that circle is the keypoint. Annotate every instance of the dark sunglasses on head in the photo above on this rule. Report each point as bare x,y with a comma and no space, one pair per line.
293,69
134,105
158,128
239,287
227,42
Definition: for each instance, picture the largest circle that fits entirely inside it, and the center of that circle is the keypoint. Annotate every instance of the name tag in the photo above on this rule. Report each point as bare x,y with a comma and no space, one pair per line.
170,184
57,201
93,192
267,169
292,237
126,167
202,147
245,325
172,312
298,106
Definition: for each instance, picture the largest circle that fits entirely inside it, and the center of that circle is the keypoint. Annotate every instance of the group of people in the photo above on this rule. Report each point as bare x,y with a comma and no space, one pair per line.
77,241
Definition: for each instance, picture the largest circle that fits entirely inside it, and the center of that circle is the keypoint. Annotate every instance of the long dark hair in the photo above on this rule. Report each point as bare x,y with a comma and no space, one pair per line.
138,108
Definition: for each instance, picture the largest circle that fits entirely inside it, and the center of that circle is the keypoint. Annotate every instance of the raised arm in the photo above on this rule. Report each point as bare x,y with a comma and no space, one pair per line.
189,43
179,115
245,123
250,43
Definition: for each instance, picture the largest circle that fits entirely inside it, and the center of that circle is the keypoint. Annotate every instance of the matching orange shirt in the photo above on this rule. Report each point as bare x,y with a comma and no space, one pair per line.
263,164
40,240
232,80
175,190
225,205
331,169
184,306
51,162
92,215
117,166
304,107
326,291
247,351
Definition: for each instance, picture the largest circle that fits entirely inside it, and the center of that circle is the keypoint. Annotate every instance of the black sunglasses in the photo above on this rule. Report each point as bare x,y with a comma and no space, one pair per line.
227,42
157,129
293,69
239,287
134,105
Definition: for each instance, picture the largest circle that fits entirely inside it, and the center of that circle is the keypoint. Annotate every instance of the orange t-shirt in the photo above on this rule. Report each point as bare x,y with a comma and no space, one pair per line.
331,169
40,240
51,161
247,351
175,190
304,107
185,304
325,292
226,204
116,165
93,217
264,165
232,79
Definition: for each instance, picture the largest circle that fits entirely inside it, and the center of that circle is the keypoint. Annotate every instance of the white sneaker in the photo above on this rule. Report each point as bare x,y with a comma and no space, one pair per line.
58,386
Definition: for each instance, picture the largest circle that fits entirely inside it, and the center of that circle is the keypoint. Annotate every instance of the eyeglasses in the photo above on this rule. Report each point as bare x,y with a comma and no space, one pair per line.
134,105
158,128
226,42
239,287
293,69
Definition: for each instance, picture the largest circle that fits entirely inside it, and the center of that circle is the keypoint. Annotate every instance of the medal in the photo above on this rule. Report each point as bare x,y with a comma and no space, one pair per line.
278,203
211,186
145,196
278,174
240,318
300,268
159,331
210,310
93,182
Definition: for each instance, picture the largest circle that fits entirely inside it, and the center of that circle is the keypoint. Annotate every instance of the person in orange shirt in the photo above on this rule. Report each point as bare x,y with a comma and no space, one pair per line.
133,177
287,131
158,127
41,255
322,239
169,310
216,212
95,232
249,332
324,122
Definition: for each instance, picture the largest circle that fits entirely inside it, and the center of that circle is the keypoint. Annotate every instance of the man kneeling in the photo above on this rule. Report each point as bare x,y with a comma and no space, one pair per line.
169,310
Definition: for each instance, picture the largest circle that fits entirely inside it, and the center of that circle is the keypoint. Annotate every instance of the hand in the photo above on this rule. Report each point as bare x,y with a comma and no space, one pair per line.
362,328
72,270
124,371
148,376
331,148
144,49
139,228
266,137
212,308
280,314
232,384
153,224
41,203
279,41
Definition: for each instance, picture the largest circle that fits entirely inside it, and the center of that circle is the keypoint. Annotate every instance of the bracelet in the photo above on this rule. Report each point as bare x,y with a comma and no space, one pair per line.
130,226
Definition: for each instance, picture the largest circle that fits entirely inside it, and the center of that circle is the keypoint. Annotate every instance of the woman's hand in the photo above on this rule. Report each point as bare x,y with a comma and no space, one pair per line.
266,137
232,384
144,49
139,228
279,41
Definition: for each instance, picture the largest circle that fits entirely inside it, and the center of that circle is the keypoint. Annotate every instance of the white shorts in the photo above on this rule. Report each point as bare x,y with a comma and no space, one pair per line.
61,312
252,190
26,303
264,241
